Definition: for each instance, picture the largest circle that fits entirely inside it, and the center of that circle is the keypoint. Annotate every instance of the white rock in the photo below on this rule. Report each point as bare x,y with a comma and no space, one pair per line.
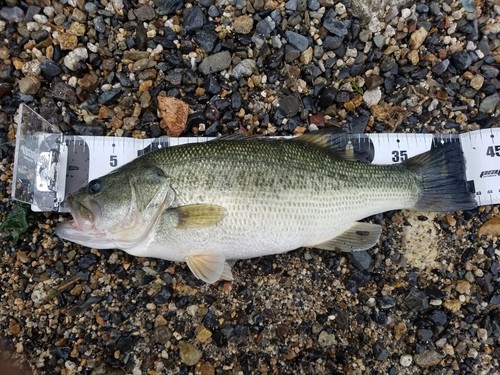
75,56
340,8
372,97
405,13
406,360
40,18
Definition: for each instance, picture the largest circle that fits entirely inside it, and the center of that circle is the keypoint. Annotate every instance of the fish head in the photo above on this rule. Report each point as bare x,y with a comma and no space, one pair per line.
117,210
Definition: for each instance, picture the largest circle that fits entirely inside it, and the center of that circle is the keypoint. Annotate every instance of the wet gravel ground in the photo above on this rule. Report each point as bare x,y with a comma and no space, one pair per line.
425,300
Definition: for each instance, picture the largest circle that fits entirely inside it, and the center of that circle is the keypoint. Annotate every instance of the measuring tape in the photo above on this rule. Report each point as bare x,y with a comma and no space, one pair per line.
49,165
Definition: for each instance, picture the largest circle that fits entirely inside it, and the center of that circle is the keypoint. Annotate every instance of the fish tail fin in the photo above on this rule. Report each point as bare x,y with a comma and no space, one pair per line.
441,173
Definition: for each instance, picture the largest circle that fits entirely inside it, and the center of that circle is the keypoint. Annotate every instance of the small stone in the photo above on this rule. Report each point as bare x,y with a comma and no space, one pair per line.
67,41
488,105
463,287
31,68
379,40
490,228
243,25
62,91
245,68
203,334
215,63
372,97
418,38
109,97
405,360
265,26
193,19
297,40
206,368
416,300
145,13
189,354
427,358
72,59
452,305
50,68
129,123
29,85
441,67
143,64
413,56
326,339
373,82
332,42
337,28
461,60
12,14
89,82
362,260
289,105
174,113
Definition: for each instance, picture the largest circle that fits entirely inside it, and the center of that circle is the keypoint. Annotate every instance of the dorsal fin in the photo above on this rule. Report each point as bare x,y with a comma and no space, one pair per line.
318,140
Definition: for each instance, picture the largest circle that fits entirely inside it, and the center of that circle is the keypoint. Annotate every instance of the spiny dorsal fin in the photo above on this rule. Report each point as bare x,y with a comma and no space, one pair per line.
199,215
318,140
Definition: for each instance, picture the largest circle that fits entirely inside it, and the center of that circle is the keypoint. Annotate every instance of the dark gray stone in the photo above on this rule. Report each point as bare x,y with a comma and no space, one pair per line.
297,40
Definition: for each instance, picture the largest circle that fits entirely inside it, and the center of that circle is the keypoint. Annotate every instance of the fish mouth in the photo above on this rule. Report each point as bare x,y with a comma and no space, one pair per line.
83,225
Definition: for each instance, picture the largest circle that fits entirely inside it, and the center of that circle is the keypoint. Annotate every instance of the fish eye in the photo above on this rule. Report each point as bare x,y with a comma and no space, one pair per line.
94,186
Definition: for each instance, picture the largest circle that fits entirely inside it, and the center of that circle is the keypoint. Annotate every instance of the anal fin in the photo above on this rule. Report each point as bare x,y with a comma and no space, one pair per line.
360,236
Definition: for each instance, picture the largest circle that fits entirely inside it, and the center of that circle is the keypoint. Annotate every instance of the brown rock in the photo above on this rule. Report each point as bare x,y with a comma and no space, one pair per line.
205,368
89,82
174,113
452,305
418,38
68,41
427,358
490,228
29,85
243,24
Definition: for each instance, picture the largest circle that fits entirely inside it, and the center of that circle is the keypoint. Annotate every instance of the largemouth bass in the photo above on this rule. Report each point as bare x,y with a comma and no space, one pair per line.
207,203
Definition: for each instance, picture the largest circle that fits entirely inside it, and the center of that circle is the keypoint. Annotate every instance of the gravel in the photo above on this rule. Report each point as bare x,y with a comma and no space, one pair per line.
266,68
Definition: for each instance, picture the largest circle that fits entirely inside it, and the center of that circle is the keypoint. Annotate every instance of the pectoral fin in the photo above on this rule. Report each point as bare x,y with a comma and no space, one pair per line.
199,215
209,267
361,236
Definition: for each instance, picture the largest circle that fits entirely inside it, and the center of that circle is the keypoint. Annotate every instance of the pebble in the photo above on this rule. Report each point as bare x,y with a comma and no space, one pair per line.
145,13
29,85
265,26
243,24
428,358
193,19
110,96
418,38
72,59
244,69
406,360
62,91
461,60
297,40
12,14
215,63
492,226
189,354
372,97
174,113
326,339
489,104
362,260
